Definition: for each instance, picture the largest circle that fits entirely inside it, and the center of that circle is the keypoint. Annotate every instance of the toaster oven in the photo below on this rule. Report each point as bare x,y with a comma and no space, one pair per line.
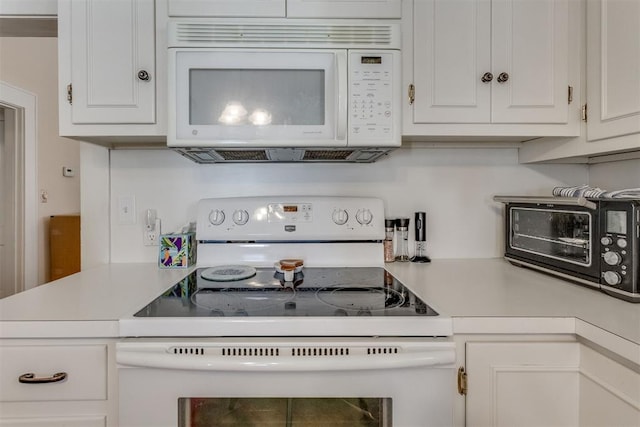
594,242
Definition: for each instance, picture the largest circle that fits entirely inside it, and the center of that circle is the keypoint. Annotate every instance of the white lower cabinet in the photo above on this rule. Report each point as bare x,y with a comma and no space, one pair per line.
609,391
561,382
522,383
57,383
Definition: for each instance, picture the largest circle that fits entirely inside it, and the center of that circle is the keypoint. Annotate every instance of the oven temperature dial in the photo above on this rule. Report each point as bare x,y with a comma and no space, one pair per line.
612,278
340,216
364,216
216,217
240,217
612,258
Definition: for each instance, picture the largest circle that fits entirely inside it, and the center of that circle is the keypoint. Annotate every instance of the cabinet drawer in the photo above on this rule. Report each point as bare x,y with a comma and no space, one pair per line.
85,367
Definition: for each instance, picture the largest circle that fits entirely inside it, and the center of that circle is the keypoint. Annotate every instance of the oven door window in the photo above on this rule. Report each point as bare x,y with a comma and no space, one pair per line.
558,234
281,412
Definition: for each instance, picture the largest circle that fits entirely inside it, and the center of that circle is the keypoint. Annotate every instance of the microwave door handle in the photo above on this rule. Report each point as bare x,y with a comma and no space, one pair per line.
571,201
342,95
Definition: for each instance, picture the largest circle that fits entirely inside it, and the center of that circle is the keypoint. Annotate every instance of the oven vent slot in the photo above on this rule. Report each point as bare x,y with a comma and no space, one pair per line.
320,351
250,351
383,350
187,351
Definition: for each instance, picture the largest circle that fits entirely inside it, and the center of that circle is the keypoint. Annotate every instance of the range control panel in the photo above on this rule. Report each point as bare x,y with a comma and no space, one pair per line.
290,218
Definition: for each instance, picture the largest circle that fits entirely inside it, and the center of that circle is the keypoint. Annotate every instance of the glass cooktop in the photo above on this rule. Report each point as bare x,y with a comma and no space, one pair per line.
353,291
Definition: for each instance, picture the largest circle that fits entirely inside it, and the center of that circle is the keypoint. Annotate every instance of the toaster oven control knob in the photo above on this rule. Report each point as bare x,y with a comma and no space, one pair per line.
340,216
216,217
612,278
240,217
612,258
364,216
622,243
606,241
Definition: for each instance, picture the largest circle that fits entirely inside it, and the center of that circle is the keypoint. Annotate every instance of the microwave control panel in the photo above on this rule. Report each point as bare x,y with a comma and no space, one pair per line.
374,102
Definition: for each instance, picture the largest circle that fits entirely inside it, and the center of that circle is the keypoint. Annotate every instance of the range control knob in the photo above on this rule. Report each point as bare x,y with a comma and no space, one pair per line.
364,216
612,258
340,216
240,217
612,278
622,243
606,240
216,217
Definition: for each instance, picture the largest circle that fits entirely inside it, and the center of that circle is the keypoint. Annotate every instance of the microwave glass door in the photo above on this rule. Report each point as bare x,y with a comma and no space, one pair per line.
241,97
563,235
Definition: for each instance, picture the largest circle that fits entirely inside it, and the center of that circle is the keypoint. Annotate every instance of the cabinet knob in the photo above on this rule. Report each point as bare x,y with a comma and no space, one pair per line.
487,77
144,75
502,77
31,378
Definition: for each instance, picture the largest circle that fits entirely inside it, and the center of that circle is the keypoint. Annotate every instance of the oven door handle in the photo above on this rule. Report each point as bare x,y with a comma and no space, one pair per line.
145,359
541,200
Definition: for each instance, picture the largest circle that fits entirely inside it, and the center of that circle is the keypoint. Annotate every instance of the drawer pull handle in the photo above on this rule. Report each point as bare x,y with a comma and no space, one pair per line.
31,378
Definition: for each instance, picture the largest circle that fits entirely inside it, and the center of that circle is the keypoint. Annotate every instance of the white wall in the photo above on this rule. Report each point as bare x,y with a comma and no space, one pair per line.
31,63
454,186
615,175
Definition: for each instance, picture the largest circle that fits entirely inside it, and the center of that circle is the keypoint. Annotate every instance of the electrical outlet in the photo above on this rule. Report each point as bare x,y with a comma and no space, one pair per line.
152,237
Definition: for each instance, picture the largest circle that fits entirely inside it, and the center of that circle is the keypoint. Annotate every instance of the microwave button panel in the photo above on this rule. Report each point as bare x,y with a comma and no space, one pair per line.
371,95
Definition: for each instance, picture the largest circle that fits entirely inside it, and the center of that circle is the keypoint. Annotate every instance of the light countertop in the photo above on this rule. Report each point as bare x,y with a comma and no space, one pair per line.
481,295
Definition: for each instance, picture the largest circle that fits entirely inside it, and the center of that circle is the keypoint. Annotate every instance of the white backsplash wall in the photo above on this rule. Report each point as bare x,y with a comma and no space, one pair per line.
454,186
613,176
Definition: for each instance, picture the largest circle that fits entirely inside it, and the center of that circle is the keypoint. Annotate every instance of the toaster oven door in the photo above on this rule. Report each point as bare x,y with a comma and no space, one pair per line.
560,238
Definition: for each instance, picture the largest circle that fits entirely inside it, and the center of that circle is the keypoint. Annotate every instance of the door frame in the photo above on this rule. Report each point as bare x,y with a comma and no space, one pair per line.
24,105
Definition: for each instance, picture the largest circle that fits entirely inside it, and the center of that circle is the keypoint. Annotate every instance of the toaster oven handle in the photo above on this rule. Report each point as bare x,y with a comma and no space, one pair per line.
571,201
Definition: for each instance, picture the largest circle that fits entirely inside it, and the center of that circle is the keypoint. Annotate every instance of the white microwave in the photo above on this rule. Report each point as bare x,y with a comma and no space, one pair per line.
277,91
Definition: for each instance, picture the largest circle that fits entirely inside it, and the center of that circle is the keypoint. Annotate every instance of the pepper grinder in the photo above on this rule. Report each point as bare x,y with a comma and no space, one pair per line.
402,241
388,240
421,237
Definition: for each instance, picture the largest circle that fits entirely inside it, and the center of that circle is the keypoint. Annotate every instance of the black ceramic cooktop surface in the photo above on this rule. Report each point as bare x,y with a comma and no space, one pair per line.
352,291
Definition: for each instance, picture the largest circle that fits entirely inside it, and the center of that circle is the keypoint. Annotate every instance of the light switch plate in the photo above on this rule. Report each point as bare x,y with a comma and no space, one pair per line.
126,210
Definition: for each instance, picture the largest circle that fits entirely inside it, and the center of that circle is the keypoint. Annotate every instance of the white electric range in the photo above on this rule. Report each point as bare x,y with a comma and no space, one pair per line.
336,339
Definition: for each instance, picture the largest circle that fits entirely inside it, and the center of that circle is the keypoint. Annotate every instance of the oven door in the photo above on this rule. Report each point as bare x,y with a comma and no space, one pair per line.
310,382
257,98
560,238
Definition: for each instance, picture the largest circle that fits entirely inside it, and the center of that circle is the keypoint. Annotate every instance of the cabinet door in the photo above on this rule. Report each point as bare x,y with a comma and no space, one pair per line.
613,68
530,51
451,55
97,421
344,9
112,61
523,384
246,8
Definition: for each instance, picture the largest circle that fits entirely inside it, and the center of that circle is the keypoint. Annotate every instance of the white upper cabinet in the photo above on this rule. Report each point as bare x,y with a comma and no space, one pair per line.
344,8
288,8
490,65
107,67
613,68
247,8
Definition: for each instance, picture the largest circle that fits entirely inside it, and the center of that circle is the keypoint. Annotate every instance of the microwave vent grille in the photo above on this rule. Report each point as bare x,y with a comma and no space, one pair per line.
285,34
327,155
283,155
243,155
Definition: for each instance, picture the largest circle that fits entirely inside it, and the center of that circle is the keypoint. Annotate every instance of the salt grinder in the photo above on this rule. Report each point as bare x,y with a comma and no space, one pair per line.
402,239
421,237
388,240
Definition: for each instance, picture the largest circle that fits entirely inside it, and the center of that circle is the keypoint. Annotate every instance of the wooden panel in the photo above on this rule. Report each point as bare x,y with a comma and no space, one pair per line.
64,245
